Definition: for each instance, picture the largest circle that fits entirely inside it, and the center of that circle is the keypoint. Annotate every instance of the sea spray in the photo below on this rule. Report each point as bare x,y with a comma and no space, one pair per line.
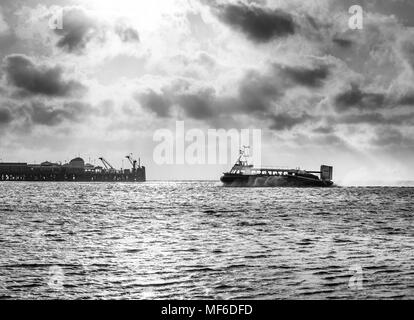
263,182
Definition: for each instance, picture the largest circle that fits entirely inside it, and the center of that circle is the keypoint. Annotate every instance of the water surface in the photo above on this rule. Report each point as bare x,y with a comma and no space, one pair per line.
190,240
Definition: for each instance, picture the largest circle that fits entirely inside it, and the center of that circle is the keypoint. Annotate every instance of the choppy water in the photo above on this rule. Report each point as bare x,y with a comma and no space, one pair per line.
200,240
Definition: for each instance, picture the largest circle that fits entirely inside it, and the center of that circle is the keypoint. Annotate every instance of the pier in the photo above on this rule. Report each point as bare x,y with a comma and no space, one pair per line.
75,170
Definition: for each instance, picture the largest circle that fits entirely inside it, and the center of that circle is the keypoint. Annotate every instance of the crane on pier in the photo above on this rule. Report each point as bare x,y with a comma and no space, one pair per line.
107,165
133,162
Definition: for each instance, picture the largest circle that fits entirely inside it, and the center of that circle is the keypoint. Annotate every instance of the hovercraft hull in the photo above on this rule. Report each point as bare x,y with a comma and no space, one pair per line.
241,180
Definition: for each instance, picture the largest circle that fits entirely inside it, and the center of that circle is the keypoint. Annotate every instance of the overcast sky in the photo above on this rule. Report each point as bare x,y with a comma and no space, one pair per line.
119,70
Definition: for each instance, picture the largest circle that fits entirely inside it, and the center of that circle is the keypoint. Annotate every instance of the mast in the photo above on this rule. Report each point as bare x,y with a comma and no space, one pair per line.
242,159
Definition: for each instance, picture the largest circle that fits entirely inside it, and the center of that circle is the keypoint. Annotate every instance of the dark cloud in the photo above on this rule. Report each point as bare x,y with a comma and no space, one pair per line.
40,113
5,116
157,103
285,121
309,77
331,140
258,23
408,51
127,34
406,100
362,100
257,95
324,130
373,118
34,79
257,92
369,118
78,29
386,136
199,105
314,23
343,43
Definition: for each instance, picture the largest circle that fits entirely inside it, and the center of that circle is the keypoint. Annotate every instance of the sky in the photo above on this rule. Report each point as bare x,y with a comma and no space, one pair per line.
118,71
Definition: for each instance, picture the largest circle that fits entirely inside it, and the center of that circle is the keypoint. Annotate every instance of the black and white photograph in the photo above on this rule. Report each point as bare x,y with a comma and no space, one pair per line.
195,150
